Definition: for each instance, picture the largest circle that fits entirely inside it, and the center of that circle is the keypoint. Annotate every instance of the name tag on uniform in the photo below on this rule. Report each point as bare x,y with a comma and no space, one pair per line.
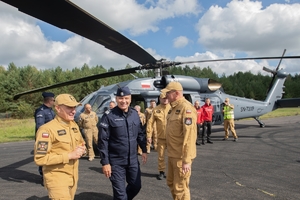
61,132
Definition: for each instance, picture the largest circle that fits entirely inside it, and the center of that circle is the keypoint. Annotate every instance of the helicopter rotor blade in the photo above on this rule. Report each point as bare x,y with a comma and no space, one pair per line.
233,59
67,15
274,74
79,80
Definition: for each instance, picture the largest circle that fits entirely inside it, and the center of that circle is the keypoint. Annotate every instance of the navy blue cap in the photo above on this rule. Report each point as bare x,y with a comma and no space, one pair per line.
123,91
47,94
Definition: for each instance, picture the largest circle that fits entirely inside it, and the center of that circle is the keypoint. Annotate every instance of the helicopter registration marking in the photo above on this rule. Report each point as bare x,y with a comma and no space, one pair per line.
247,108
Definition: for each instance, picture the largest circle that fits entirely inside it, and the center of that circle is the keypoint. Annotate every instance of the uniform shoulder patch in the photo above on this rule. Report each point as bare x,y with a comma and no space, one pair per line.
107,112
104,125
188,121
45,135
42,147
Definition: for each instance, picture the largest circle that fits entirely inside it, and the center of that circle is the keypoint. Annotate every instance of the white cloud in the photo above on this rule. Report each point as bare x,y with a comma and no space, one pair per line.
168,29
25,43
180,42
137,18
244,26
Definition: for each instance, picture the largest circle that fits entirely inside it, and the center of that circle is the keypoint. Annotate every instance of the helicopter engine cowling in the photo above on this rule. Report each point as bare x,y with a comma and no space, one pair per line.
190,83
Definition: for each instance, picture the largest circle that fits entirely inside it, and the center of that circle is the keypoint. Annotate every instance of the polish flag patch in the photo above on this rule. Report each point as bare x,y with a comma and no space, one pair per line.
45,135
145,85
188,111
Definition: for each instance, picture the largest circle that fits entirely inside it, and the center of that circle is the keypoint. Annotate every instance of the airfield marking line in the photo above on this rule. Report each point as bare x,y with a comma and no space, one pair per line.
241,185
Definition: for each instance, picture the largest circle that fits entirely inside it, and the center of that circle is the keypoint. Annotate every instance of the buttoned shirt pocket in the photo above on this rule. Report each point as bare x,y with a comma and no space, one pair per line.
175,125
118,127
61,144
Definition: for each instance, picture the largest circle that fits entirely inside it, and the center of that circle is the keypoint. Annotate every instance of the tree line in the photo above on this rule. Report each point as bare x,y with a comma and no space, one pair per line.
19,79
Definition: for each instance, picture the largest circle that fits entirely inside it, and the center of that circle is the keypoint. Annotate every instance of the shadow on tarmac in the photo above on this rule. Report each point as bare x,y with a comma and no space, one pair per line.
19,175
81,196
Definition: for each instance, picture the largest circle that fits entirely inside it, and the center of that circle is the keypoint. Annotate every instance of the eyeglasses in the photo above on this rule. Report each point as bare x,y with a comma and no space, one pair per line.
170,92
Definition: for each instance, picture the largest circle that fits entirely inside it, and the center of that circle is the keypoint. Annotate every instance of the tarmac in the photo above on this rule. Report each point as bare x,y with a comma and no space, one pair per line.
263,164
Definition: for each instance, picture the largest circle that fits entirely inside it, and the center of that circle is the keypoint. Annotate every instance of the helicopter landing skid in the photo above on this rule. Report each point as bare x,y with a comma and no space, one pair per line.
261,124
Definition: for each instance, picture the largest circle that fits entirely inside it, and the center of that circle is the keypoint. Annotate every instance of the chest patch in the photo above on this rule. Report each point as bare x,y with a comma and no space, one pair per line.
177,112
158,111
61,132
75,130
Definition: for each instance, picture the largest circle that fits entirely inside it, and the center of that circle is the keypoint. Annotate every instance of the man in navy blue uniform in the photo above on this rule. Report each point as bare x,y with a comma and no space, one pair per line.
120,132
44,114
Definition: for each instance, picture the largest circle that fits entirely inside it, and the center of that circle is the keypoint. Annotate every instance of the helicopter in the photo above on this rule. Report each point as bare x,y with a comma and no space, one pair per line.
71,17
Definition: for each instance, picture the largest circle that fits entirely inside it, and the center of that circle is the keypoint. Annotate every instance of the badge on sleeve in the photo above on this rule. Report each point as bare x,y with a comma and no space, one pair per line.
188,121
45,135
188,111
42,147
104,125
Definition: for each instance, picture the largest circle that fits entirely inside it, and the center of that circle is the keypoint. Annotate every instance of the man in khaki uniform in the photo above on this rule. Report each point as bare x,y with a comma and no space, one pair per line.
181,141
159,117
58,147
143,121
141,115
88,122
148,113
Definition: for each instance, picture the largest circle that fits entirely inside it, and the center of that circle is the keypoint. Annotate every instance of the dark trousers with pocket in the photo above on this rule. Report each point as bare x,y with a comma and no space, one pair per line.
206,127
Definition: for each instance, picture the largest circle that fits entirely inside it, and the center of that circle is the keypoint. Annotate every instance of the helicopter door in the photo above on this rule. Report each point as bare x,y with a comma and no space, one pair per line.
218,114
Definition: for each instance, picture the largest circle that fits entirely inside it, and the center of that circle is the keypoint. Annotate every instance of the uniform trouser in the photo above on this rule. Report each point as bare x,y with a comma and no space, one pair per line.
177,181
62,192
206,125
229,123
154,139
161,149
132,175
198,131
90,136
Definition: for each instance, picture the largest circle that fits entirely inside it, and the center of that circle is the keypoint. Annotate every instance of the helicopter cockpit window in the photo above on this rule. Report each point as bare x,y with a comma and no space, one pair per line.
101,104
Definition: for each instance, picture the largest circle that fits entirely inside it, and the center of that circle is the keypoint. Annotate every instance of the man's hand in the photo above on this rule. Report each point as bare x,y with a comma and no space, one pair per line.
149,140
77,153
144,158
106,169
186,168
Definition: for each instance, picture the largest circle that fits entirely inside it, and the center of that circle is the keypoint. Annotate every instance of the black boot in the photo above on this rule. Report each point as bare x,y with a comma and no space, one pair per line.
161,175
209,141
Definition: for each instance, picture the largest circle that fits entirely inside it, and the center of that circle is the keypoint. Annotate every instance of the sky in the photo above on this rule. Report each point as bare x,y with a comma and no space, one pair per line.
176,30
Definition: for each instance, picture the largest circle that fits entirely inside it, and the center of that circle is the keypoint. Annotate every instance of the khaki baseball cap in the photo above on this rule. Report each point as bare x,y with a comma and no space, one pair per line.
67,100
174,85
162,95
